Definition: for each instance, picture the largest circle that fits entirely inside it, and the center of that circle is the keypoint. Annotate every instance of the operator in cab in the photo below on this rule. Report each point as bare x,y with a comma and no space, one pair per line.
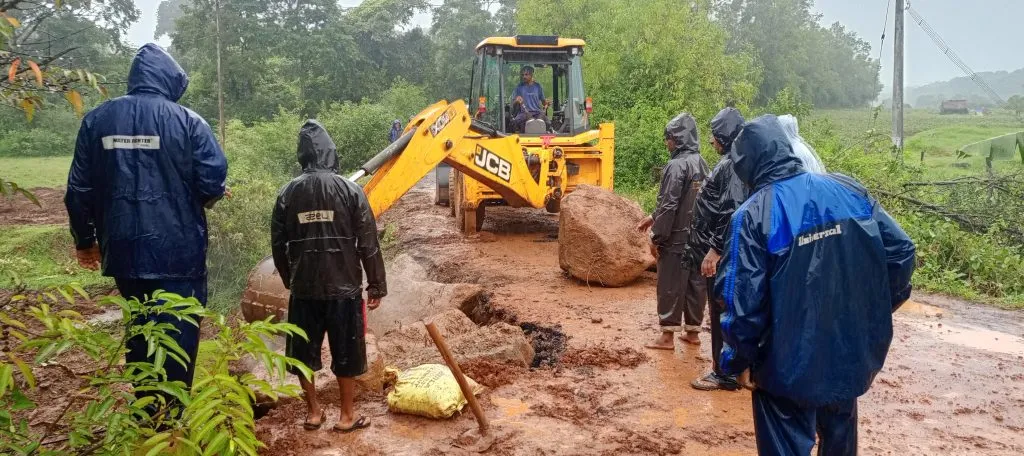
528,101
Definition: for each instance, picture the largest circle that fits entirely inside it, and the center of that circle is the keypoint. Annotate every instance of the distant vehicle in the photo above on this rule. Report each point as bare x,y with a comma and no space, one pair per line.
954,107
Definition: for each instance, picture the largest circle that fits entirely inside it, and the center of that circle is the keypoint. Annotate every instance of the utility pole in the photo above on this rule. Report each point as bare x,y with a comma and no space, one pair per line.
220,80
897,81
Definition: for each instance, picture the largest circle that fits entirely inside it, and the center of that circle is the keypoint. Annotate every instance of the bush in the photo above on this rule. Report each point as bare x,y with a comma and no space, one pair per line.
104,415
51,133
961,263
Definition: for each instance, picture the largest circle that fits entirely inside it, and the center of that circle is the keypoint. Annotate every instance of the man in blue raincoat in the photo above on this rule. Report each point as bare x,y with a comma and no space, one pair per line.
144,169
812,271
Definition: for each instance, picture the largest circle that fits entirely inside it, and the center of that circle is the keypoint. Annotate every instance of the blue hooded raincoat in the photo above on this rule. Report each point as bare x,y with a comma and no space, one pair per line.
143,170
812,271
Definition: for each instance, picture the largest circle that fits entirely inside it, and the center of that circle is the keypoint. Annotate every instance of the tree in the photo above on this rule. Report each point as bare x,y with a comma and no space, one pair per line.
298,56
166,15
1016,104
831,66
37,40
458,26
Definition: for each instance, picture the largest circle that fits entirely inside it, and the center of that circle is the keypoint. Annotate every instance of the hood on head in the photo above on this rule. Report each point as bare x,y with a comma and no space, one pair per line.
790,125
155,71
316,148
683,129
762,153
726,127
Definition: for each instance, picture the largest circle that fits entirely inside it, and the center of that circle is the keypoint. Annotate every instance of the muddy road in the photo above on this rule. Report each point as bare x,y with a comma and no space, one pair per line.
953,382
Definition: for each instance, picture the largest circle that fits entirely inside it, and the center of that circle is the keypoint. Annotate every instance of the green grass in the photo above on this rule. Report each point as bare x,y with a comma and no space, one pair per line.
854,124
42,256
36,172
939,146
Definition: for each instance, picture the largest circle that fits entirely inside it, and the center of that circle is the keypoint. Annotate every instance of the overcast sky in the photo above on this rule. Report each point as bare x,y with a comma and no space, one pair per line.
982,32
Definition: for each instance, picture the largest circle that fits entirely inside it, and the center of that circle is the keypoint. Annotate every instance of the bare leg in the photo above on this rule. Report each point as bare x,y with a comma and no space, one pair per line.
347,386
314,413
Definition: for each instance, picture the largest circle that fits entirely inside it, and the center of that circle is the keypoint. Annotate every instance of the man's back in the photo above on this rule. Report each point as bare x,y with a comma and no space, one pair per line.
323,230
144,167
814,268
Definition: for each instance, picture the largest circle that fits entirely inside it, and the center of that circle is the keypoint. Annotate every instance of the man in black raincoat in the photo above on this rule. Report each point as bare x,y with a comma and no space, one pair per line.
681,289
721,195
323,235
812,271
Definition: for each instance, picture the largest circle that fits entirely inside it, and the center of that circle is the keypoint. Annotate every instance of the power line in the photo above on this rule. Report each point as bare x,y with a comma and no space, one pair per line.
885,26
953,57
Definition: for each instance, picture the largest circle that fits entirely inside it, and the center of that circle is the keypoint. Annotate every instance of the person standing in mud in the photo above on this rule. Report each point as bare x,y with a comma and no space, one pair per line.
323,235
144,170
812,271
681,290
719,198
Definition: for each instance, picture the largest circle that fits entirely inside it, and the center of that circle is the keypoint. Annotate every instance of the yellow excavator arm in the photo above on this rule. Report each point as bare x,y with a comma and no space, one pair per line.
445,132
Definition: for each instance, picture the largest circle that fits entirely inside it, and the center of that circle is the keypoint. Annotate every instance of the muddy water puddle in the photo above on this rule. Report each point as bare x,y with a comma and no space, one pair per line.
949,328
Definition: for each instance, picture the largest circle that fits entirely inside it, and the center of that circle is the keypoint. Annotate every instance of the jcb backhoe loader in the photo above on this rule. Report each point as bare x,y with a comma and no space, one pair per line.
494,156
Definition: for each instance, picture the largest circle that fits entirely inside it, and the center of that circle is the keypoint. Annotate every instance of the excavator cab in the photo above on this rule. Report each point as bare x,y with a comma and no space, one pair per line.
556,67
559,148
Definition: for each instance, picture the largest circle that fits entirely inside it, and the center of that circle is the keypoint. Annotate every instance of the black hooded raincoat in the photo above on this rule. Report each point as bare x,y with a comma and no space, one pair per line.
322,228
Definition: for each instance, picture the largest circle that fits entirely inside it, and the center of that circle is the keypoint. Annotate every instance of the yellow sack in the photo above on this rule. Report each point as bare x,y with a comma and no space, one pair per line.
429,390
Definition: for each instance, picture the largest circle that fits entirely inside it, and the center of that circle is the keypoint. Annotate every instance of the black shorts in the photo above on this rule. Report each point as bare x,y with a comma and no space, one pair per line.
344,322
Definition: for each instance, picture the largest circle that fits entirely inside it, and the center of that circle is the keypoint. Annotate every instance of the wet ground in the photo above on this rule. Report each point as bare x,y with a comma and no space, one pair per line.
953,382
19,210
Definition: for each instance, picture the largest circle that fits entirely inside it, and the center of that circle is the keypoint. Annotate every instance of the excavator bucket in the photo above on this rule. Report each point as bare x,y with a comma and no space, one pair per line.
265,294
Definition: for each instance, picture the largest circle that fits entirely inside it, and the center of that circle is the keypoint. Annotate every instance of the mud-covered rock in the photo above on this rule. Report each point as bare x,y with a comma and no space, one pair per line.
598,242
412,297
498,343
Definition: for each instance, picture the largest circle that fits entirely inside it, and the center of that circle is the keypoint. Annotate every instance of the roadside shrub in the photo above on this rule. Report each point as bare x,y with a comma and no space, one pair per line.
51,133
103,414
954,261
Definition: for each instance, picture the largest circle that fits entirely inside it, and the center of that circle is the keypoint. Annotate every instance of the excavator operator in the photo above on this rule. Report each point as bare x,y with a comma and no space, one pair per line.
528,101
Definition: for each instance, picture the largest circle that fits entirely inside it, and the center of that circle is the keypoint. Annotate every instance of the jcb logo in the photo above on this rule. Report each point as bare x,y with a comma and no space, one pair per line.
493,163
441,122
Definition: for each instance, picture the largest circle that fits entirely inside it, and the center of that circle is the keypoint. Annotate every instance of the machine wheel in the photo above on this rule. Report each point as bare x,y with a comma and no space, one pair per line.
467,220
442,189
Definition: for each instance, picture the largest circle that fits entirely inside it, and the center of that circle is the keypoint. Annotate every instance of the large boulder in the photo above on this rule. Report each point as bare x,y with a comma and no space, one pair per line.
598,242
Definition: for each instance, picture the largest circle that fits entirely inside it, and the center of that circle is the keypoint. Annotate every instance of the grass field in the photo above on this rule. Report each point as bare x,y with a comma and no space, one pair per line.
37,171
42,256
938,136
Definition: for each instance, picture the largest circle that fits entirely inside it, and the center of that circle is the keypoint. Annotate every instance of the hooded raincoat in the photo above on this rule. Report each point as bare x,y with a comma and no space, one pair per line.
322,230
681,290
813,270
719,198
144,168
681,180
723,192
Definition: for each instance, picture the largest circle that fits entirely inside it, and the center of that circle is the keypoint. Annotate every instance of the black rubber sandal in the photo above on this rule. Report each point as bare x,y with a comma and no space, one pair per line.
361,423
314,426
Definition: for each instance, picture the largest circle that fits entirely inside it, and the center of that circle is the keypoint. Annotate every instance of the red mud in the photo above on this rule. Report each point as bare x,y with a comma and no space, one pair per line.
18,210
608,396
